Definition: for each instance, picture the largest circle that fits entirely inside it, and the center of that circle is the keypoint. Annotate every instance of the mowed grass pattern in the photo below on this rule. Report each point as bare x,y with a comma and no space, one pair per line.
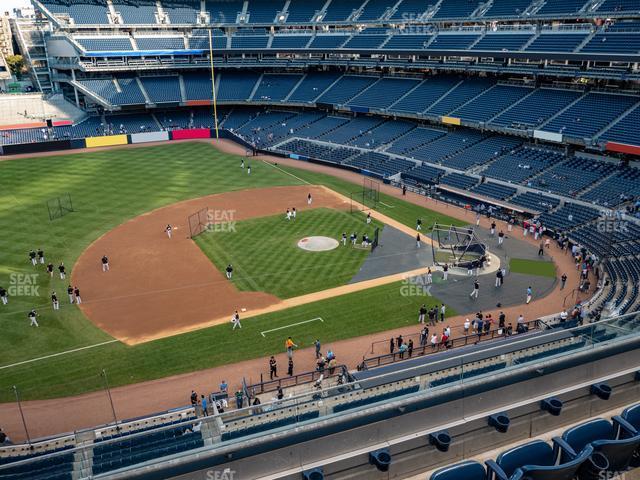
266,258
360,313
109,188
533,267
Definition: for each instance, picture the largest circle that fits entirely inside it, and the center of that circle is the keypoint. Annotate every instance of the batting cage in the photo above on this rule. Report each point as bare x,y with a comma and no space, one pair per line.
60,206
367,198
455,246
198,222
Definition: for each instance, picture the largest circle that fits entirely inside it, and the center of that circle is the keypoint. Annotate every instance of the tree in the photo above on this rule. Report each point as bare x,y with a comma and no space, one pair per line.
16,65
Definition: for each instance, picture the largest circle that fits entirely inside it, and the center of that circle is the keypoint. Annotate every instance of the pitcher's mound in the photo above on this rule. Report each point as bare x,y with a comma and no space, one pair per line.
318,244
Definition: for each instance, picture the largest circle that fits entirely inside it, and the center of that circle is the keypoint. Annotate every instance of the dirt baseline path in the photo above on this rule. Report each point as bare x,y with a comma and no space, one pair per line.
157,286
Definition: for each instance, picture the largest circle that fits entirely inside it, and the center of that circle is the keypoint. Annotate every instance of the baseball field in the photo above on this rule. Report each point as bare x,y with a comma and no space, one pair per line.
116,189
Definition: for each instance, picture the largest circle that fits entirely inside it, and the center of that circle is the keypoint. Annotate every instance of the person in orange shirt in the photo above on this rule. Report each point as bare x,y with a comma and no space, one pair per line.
290,346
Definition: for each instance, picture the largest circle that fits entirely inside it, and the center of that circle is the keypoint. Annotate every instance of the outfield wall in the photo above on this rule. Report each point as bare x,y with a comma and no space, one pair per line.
114,140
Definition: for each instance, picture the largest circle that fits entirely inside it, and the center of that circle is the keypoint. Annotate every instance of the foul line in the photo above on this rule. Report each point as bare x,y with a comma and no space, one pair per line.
390,206
287,173
58,354
292,325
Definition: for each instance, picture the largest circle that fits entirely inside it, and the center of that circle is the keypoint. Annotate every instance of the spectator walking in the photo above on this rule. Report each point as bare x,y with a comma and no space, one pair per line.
290,368
273,368
318,346
289,345
563,281
239,399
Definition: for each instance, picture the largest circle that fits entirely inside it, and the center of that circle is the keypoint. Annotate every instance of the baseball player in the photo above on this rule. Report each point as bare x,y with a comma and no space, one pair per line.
500,237
422,313
288,214
105,263
248,169
493,228
76,292
419,224
62,269
309,199
168,230
294,212
70,293
32,257
418,241
236,320
54,301
3,296
429,277
229,271
344,239
369,218
445,272
476,290
33,318
41,256
242,164
50,269
354,238
529,295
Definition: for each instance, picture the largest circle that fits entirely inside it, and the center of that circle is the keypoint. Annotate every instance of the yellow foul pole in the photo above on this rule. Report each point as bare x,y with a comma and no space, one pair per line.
213,85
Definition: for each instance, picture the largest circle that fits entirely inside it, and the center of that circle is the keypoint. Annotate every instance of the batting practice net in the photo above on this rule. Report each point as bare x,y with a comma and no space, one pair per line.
367,198
455,246
198,222
60,206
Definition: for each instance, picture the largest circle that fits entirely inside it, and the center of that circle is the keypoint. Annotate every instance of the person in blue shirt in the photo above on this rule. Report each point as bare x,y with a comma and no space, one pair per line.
224,387
204,406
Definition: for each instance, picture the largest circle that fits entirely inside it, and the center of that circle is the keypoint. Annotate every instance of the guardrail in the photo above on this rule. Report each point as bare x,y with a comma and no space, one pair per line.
427,348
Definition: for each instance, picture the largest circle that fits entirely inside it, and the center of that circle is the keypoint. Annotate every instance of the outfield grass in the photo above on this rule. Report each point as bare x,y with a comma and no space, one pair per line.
109,188
266,258
533,267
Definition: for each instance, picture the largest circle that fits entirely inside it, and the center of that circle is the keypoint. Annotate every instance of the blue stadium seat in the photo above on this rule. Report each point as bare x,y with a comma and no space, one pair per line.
534,110
561,7
590,114
136,13
224,12
456,8
264,11
507,8
384,92
468,470
104,44
600,434
162,89
346,88
183,12
340,11
425,94
461,94
502,42
452,41
557,42
275,87
290,41
491,102
412,10
160,43
312,86
535,460
304,12
628,423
